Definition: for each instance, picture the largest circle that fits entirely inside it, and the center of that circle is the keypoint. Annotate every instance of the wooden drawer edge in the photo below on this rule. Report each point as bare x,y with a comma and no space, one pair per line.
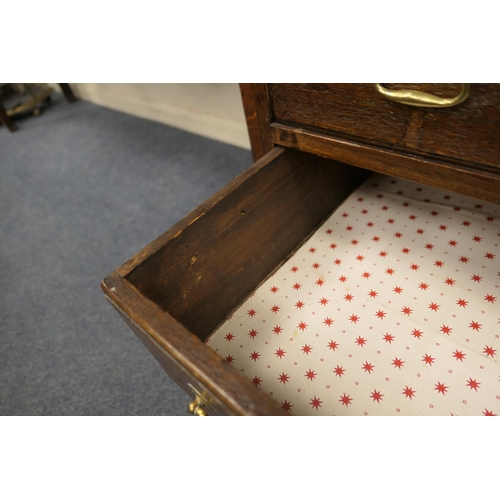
451,177
198,212
171,343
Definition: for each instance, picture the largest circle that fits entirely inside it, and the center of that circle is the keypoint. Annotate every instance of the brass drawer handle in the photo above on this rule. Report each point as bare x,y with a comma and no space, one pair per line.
422,99
197,406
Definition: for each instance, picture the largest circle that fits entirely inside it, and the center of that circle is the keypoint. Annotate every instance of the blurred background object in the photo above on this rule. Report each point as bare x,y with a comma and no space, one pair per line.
23,98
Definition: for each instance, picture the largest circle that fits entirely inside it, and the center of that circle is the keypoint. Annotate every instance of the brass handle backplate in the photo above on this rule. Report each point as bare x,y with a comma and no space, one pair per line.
423,99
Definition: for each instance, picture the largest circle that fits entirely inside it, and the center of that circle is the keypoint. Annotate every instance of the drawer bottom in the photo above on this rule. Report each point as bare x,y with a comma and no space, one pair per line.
390,308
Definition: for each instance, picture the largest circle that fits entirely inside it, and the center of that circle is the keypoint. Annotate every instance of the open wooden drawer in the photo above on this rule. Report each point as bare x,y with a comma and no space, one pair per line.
181,287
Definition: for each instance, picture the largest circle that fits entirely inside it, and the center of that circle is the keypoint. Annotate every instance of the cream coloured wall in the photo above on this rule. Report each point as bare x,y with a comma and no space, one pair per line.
213,110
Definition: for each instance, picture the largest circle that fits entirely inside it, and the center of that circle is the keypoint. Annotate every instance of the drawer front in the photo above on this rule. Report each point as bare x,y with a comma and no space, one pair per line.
468,132
178,373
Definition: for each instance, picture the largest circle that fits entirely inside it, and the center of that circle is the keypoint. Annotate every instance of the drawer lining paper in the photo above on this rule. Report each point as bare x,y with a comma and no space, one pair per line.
390,308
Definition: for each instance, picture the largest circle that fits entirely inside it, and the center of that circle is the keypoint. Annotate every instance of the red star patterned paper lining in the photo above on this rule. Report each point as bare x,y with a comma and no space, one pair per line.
390,308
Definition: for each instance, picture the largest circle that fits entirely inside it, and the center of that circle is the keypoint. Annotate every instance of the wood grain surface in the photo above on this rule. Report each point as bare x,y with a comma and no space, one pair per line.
444,175
256,104
469,131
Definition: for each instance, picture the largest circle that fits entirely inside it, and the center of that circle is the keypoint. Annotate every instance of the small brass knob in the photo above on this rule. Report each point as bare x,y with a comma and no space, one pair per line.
200,411
192,406
202,401
196,407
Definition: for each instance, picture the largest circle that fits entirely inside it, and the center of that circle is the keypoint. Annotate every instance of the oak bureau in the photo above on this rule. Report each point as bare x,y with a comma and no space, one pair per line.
314,145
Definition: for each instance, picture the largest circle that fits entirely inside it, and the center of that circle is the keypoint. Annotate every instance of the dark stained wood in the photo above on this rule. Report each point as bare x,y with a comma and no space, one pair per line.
216,260
451,177
468,132
258,115
5,120
198,212
68,93
185,357
181,287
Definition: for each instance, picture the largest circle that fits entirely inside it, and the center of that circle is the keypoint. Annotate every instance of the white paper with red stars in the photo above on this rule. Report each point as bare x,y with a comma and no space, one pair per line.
390,308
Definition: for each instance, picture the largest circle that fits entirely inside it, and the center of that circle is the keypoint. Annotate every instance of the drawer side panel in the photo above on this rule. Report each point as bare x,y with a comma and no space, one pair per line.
209,267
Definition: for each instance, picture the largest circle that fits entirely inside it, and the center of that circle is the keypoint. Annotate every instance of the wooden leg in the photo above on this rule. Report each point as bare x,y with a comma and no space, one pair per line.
6,120
68,93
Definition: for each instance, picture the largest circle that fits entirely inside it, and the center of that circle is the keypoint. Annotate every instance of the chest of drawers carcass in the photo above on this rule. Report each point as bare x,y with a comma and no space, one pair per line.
313,145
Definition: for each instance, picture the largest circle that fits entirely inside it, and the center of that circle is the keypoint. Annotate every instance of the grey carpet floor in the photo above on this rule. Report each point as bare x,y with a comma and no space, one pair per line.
82,189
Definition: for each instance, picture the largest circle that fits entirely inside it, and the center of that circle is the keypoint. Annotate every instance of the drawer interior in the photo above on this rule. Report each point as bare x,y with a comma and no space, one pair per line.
390,307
